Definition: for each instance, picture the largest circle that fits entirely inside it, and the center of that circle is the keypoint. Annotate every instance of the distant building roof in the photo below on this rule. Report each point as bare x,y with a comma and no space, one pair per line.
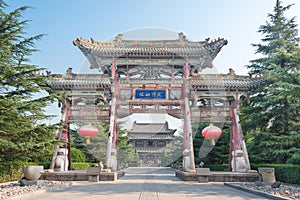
151,131
149,150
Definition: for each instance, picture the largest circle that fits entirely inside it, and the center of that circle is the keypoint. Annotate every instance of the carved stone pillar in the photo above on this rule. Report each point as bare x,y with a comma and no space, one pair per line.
188,151
111,156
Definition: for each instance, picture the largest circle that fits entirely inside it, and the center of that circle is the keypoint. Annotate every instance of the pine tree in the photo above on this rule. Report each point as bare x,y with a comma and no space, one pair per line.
23,132
96,150
273,114
205,152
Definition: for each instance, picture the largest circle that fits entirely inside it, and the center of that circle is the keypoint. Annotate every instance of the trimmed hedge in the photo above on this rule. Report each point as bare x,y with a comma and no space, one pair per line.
45,164
12,171
283,172
81,166
219,167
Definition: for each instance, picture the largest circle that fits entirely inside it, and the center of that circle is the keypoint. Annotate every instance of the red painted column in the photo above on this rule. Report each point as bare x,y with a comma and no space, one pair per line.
113,70
186,69
185,106
201,112
115,132
64,134
236,138
188,151
185,128
69,149
230,147
111,156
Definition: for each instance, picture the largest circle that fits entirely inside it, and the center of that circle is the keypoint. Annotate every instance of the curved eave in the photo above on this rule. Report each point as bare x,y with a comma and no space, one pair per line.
149,149
206,50
152,138
211,49
151,43
227,84
60,84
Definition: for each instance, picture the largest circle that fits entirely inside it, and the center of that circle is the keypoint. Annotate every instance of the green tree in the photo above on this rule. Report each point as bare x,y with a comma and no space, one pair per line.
172,153
23,132
273,117
79,143
96,150
126,153
77,155
205,152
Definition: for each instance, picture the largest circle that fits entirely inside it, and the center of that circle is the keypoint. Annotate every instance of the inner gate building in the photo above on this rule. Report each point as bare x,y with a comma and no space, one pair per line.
151,141
161,76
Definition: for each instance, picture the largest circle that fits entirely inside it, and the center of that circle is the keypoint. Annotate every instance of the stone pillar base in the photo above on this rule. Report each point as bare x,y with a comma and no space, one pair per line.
186,163
203,179
113,160
93,178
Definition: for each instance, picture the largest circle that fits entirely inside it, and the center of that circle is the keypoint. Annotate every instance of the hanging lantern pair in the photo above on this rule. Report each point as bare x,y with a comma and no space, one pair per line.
88,131
212,133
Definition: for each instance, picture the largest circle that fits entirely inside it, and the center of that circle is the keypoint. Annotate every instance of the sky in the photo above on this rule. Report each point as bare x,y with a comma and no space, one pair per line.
64,21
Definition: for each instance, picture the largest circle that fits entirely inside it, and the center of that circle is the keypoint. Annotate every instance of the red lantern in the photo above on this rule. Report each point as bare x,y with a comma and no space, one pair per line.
211,132
87,132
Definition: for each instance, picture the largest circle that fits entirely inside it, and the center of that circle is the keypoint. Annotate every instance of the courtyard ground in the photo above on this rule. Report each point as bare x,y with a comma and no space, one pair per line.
144,184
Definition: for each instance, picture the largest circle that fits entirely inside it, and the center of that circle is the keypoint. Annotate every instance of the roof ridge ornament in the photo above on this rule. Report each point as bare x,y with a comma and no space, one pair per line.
119,37
182,36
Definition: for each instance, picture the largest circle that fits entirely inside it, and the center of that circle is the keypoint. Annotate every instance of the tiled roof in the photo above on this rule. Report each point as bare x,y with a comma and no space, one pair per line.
227,83
152,131
97,52
149,150
151,136
180,46
200,81
150,127
78,83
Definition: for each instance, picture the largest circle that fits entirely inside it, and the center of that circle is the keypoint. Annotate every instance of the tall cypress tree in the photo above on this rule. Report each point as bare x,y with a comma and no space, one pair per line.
273,117
23,132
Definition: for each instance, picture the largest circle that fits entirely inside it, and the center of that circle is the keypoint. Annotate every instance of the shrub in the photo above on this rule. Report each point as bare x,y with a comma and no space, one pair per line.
217,167
77,155
283,172
46,165
295,159
12,170
81,166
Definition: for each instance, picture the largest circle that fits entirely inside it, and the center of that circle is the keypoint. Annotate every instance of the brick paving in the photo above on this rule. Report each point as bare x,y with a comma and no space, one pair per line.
144,184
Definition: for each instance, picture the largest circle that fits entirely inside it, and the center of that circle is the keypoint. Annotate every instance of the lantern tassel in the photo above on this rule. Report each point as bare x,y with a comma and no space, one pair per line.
212,142
87,140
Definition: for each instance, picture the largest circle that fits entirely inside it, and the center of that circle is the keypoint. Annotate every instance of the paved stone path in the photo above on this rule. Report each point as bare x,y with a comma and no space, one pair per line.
145,184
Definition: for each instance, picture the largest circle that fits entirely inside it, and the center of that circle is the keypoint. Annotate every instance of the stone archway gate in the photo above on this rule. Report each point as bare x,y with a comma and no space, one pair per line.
162,76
